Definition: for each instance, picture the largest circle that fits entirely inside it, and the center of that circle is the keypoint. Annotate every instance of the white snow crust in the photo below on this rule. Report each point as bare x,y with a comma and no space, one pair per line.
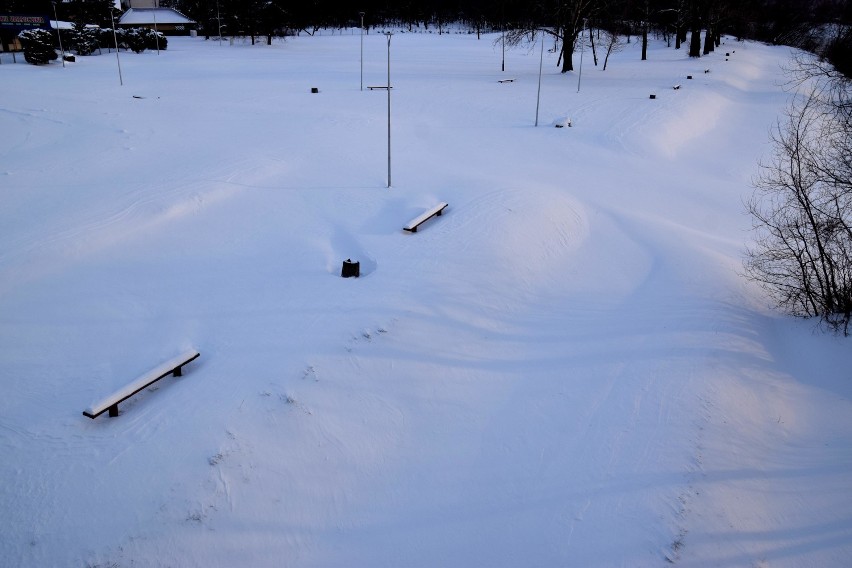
568,370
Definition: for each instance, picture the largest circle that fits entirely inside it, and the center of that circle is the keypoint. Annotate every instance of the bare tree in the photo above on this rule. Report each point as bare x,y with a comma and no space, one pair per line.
611,42
802,205
564,20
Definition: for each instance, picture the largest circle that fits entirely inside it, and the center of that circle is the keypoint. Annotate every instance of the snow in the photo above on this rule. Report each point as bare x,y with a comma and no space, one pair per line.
567,370
146,16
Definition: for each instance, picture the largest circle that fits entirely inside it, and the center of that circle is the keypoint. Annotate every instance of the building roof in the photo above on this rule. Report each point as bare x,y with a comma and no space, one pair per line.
144,16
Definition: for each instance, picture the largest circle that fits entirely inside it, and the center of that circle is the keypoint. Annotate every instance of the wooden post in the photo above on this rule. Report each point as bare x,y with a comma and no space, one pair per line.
113,410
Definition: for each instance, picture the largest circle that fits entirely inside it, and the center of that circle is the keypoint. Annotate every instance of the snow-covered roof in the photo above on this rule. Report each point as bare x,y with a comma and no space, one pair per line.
60,25
139,16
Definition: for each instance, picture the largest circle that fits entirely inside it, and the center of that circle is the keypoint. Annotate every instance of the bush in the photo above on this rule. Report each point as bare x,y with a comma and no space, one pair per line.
66,39
838,52
802,206
140,39
85,40
106,38
155,40
38,46
135,39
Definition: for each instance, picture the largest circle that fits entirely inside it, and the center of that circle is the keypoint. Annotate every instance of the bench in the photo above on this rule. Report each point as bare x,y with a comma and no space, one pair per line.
505,80
380,87
676,87
170,367
434,212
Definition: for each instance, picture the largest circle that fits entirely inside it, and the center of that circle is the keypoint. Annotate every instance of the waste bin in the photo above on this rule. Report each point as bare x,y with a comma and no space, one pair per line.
351,269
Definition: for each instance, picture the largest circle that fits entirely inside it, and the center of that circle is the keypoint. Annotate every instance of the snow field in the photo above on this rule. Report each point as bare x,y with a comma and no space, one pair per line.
563,369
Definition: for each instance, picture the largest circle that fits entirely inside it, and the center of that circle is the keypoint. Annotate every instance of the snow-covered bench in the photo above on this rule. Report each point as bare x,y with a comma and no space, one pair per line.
434,212
676,87
170,367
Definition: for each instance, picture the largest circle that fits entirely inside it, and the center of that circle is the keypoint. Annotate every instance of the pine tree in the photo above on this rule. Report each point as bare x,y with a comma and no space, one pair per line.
38,46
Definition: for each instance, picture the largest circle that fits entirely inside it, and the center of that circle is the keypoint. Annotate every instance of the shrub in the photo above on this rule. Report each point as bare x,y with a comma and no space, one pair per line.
134,38
140,39
85,40
106,38
38,46
802,206
155,40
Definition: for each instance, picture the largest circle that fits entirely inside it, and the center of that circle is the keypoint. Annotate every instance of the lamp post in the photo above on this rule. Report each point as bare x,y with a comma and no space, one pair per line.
115,39
156,33
389,34
58,36
582,50
219,21
362,49
540,63
503,41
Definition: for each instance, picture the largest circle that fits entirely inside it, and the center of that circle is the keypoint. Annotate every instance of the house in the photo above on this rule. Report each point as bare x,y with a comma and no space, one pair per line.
167,21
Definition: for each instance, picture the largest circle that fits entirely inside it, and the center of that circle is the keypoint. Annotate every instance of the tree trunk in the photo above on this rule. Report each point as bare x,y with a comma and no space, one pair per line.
695,29
569,40
695,43
567,55
594,51
680,25
709,39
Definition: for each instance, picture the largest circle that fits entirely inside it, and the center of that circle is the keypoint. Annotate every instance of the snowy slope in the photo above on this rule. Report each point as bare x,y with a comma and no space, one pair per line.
564,369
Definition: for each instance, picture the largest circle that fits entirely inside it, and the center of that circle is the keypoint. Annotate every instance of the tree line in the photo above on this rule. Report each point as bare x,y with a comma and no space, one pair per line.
800,23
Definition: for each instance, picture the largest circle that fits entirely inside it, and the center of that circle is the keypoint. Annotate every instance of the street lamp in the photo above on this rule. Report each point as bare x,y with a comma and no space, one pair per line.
58,36
503,41
540,63
115,39
362,49
219,21
389,34
156,33
582,50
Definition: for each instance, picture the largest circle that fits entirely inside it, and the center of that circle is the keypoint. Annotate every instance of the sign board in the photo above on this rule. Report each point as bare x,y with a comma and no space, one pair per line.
20,22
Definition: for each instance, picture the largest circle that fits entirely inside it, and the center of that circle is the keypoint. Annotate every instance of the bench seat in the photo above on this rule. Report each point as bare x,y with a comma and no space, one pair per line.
416,222
170,367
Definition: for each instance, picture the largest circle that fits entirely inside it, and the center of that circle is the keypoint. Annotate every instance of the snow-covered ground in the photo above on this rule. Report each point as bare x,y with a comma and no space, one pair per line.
565,369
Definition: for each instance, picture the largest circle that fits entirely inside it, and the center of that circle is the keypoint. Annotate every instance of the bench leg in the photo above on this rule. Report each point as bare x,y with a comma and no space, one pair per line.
177,372
113,411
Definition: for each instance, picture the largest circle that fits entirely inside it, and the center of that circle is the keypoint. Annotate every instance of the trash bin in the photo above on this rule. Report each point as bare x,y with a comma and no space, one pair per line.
351,269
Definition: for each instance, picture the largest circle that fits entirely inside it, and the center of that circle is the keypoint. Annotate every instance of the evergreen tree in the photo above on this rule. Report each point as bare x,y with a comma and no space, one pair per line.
38,46
84,40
